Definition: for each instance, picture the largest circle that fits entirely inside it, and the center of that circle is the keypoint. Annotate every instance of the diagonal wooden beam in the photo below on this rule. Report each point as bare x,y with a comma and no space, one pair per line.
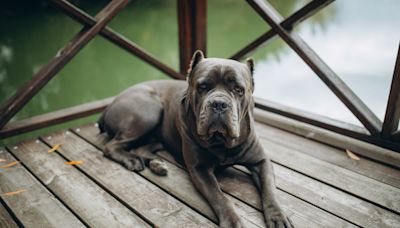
302,14
117,39
47,72
392,116
326,74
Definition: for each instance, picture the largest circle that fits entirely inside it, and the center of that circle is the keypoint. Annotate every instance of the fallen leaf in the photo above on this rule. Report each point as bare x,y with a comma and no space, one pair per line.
13,193
54,148
9,164
74,162
352,155
2,160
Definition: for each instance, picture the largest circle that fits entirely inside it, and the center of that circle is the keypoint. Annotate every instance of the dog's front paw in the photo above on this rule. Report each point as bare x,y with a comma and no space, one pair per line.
158,167
133,164
275,217
232,222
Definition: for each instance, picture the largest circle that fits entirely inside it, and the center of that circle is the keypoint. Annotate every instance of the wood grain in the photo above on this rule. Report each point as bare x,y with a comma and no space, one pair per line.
92,204
36,207
135,191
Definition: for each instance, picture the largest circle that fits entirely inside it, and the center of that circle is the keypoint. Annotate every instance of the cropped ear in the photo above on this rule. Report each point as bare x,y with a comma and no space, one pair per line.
250,65
197,57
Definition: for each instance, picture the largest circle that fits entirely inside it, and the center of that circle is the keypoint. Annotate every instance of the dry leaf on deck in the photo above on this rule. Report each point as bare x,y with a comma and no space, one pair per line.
13,193
54,148
352,155
9,164
74,162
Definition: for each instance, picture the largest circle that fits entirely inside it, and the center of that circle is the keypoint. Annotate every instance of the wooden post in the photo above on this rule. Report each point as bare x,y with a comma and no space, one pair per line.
47,72
392,115
192,23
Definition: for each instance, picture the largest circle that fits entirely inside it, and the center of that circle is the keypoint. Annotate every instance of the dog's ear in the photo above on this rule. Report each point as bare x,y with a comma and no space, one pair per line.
250,65
197,57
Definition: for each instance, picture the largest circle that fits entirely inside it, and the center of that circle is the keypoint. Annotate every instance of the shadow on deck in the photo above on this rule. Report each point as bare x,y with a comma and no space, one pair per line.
318,185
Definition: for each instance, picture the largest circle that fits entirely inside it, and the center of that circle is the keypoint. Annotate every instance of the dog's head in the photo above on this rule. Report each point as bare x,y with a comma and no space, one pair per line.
220,96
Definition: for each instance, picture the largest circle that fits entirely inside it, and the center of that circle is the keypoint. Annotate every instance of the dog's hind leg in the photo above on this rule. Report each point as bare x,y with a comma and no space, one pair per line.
116,149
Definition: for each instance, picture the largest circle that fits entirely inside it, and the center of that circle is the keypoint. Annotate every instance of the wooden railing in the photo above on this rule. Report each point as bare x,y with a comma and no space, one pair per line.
192,21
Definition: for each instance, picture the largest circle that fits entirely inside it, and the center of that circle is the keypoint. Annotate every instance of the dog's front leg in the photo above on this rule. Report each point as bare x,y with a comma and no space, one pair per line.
263,176
206,183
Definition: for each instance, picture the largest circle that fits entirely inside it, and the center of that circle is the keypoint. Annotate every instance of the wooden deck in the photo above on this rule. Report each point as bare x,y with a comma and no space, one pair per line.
318,186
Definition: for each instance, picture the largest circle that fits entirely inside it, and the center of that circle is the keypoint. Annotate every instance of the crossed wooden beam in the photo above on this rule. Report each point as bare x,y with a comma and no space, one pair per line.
279,26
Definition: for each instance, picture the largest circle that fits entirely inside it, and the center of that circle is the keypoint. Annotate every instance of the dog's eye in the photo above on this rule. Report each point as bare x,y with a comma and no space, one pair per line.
239,90
202,86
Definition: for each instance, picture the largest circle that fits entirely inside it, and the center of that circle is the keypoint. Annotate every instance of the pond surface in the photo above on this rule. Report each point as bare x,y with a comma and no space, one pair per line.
359,39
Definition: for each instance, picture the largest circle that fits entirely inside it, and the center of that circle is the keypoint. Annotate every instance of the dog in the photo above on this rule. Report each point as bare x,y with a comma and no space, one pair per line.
205,122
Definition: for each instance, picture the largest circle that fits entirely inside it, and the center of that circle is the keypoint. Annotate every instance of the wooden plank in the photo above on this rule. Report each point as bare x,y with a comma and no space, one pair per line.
36,207
338,157
330,199
366,188
302,14
176,177
48,71
328,137
326,74
135,191
392,115
53,118
92,204
117,39
311,118
303,214
6,221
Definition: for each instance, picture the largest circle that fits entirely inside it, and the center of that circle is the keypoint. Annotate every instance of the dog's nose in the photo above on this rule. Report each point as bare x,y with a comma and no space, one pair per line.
219,105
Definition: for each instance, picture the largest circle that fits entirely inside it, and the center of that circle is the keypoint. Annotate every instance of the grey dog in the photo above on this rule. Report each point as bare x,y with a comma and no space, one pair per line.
205,123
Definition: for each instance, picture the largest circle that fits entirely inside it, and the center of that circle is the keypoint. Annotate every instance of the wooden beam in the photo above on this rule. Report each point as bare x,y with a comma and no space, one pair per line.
192,24
53,118
117,39
386,153
392,115
338,87
302,14
311,118
47,72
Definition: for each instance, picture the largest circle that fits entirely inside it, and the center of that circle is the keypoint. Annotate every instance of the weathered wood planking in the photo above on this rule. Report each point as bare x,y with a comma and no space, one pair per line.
330,199
36,207
382,194
331,138
305,215
6,221
176,177
142,196
93,205
365,166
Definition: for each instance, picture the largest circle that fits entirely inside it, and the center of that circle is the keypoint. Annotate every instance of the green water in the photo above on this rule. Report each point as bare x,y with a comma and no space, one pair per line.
31,32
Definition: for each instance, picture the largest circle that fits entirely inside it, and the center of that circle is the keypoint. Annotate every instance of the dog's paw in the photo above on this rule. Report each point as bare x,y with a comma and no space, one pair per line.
231,223
133,164
276,218
158,167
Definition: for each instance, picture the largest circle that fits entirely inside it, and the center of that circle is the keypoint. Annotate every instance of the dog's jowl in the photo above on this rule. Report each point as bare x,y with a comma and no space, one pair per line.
205,122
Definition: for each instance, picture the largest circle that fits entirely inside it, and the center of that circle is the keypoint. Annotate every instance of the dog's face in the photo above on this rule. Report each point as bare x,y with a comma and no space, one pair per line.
220,95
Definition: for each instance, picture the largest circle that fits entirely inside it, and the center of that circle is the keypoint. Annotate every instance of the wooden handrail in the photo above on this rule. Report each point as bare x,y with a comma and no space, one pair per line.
302,14
53,118
326,74
47,72
117,39
392,115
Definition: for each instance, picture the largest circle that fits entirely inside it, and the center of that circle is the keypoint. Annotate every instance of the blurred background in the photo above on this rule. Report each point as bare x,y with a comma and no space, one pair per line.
358,39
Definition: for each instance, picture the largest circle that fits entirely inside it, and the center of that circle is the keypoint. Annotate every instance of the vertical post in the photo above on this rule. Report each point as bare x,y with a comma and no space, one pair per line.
392,115
192,23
